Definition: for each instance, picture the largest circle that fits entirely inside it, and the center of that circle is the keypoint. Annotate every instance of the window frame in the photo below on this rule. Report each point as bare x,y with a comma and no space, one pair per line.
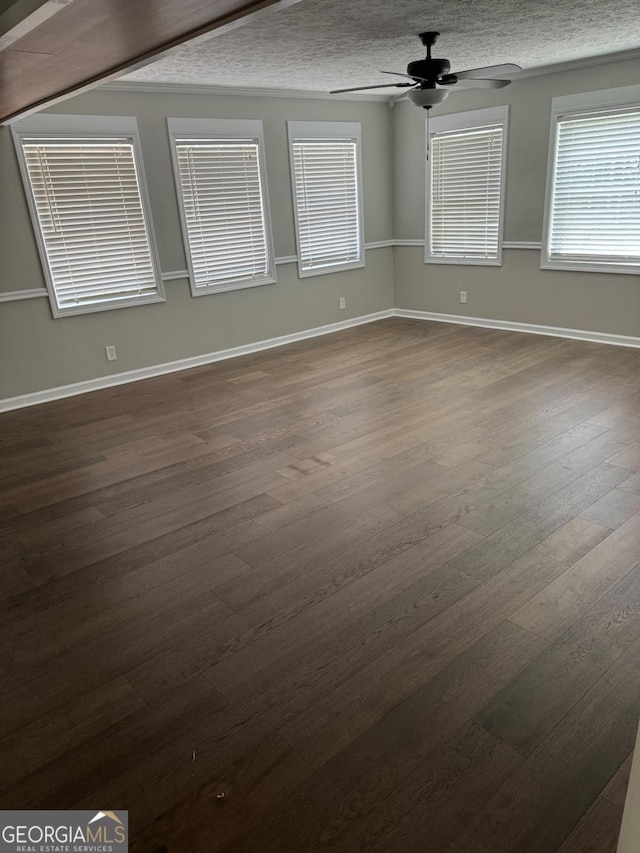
565,106
213,129
300,130
468,120
48,126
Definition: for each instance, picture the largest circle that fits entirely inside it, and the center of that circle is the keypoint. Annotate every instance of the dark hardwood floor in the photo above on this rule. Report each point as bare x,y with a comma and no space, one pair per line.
376,591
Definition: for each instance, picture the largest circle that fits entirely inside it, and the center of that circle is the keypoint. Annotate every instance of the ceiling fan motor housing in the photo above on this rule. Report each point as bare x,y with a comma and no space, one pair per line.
429,69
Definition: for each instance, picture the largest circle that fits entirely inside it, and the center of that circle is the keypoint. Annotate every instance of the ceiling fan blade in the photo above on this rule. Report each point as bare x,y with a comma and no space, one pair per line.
487,71
404,94
375,86
408,76
477,83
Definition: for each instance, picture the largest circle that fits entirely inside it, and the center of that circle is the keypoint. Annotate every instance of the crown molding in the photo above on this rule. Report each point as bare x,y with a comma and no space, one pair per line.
207,89
573,64
246,91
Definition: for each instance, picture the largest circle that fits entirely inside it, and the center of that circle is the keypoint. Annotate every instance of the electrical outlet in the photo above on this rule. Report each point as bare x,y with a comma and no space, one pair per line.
463,297
111,353
343,303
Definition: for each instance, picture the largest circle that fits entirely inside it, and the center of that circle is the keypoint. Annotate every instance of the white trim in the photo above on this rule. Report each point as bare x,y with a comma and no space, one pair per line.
403,243
215,129
590,266
292,259
562,107
86,386
233,91
621,96
467,120
352,265
17,295
529,328
507,244
183,364
380,244
175,275
511,244
48,125
571,64
351,130
76,125
179,275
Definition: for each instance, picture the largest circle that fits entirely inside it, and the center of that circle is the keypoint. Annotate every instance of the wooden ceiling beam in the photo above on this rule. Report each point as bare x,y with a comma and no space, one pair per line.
88,42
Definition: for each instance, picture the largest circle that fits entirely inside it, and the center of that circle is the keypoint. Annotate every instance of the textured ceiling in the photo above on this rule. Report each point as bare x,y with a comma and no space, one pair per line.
323,44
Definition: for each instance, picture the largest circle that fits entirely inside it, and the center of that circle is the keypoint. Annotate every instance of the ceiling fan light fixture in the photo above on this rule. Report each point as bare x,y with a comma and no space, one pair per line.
427,97
430,73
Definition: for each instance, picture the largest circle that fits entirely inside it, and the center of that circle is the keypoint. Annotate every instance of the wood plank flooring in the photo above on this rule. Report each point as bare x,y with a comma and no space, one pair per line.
377,591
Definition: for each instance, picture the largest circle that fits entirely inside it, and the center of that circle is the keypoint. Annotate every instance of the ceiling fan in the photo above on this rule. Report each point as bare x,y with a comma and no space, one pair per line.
431,78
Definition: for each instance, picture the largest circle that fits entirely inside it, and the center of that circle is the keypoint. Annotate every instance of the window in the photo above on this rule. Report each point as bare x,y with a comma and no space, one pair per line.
86,192
465,187
593,190
326,178
220,180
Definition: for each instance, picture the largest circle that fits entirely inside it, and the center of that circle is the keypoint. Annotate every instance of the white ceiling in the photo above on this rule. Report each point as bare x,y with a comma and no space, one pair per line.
319,45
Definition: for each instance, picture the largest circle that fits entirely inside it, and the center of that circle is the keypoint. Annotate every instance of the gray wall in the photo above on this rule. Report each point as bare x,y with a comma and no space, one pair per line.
38,352
519,290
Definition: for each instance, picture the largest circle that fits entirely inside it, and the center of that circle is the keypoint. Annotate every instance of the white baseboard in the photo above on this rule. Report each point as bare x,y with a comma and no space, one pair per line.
246,349
182,364
508,326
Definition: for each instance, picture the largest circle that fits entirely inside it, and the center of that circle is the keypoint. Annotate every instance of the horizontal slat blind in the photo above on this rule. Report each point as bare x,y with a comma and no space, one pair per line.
595,208
91,218
466,181
223,206
326,197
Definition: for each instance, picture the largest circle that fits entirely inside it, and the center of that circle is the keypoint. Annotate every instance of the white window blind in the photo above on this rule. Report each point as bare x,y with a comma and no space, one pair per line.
595,204
224,211
326,194
465,193
92,222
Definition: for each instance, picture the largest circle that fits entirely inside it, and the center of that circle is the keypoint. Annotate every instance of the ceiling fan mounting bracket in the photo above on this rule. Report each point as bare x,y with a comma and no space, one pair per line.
428,39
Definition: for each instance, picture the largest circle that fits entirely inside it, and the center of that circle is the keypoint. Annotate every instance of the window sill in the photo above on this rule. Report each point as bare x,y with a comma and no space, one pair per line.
469,262
227,286
576,266
104,306
330,269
